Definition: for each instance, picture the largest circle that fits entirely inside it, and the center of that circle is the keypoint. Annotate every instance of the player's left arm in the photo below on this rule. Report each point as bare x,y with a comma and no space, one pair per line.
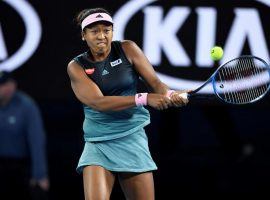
147,72
143,66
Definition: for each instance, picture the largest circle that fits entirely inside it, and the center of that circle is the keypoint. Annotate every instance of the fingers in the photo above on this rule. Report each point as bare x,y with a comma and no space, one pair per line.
164,103
42,183
184,97
158,101
179,99
161,102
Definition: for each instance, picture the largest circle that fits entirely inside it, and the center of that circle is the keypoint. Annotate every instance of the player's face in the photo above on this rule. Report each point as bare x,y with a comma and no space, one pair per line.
99,38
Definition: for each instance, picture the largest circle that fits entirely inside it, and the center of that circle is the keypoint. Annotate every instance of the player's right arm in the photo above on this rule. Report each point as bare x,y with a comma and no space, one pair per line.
90,94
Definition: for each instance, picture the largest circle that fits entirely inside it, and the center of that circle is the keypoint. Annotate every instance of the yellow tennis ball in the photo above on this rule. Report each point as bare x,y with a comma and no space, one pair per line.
216,53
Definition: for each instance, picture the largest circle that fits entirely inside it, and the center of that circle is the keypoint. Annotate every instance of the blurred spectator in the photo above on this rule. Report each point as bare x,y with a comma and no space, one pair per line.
23,164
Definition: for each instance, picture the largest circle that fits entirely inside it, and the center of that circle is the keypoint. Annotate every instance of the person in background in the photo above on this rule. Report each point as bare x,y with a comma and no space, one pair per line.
22,144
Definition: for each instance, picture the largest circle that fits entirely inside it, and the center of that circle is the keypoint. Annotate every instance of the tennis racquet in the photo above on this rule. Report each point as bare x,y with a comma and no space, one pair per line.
242,80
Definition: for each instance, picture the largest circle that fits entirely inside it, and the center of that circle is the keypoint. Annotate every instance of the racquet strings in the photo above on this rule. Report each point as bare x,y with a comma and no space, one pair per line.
242,80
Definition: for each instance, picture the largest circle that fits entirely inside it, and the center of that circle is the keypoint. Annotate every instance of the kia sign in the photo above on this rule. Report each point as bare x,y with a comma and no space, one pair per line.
32,36
177,38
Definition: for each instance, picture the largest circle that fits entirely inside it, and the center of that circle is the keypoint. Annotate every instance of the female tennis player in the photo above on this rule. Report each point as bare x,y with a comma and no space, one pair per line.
105,79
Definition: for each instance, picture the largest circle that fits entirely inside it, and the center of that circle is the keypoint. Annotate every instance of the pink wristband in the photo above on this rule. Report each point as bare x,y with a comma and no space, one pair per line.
141,99
169,93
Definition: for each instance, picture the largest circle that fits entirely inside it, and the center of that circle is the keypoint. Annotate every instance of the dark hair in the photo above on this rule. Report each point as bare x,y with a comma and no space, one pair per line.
86,12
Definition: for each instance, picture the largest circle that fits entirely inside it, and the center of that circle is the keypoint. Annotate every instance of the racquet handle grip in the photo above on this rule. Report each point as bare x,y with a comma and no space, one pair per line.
184,95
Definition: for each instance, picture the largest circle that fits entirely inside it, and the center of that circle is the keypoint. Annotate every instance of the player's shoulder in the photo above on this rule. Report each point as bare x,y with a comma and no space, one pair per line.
130,48
75,63
75,60
72,63
128,44
73,69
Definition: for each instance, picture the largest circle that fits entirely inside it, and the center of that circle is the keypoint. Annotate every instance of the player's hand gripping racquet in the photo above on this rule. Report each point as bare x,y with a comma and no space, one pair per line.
242,80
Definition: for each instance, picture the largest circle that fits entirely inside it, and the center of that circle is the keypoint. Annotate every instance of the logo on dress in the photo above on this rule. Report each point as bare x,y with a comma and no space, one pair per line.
116,62
89,71
105,72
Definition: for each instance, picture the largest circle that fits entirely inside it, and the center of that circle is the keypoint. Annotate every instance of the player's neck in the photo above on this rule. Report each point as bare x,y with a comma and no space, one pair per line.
99,56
